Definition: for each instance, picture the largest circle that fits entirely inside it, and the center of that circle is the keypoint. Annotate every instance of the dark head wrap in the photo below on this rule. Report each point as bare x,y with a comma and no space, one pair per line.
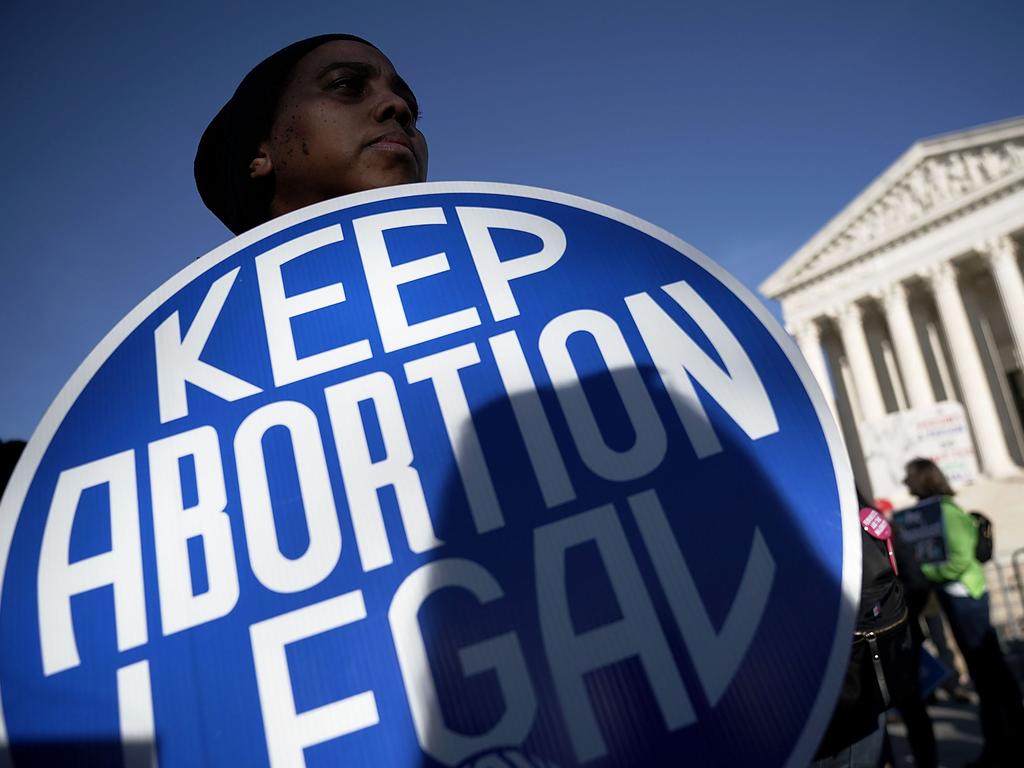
232,138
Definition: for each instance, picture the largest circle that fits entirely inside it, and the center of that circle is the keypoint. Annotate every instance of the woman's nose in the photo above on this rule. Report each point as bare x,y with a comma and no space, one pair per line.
392,106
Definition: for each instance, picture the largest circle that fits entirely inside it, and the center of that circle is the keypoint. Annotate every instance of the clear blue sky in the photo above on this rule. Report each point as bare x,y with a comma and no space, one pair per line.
741,127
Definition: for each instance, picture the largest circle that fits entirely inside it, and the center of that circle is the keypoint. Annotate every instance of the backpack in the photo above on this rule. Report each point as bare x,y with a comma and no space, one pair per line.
881,657
983,549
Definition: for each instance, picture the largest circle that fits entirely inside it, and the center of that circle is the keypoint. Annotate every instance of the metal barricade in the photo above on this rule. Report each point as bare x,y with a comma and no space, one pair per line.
1005,605
1006,594
1016,559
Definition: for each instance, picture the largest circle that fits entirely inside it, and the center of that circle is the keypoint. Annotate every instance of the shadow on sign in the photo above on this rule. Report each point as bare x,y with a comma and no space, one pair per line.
606,620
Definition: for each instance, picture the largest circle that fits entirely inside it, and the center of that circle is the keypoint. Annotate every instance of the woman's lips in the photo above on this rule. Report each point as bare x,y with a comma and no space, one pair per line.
393,143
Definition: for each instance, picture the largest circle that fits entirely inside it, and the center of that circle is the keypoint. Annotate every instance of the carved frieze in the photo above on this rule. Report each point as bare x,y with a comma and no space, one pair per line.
933,184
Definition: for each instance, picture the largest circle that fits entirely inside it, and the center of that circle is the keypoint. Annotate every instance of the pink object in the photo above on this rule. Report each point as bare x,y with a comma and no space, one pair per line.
878,527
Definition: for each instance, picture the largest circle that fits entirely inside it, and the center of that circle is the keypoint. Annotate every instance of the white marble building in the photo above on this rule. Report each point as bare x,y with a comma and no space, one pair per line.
913,294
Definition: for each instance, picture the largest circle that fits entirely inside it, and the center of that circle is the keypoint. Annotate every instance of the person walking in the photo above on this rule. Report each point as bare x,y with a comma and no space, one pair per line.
964,597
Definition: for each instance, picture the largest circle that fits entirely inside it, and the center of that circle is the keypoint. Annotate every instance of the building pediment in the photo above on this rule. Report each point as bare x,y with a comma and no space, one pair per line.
931,181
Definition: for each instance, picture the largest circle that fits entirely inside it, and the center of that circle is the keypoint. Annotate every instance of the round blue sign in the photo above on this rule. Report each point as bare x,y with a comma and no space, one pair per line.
444,474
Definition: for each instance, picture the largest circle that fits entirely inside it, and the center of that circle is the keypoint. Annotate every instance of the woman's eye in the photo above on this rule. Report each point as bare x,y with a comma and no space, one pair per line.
348,84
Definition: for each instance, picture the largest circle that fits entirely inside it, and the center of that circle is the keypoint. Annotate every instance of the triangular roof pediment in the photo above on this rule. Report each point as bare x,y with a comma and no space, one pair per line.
932,179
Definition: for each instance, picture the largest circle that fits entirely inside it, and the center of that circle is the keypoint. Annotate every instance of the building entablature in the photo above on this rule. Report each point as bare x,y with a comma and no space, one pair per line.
932,184
906,260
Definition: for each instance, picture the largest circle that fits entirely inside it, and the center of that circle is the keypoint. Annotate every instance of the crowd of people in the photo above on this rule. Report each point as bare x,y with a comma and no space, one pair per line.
956,582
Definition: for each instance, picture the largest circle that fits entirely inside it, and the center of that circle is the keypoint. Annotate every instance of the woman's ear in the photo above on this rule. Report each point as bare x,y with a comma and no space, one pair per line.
261,165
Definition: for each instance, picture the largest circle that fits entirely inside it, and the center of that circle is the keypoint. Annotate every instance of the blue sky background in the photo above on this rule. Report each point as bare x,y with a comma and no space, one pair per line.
742,127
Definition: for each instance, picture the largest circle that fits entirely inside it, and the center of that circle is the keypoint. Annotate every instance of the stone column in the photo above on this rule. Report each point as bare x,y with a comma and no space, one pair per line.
808,338
1001,253
906,346
981,408
865,381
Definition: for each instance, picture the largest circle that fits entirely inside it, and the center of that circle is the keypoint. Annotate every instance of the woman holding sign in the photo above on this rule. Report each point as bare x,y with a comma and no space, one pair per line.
964,597
323,117
329,117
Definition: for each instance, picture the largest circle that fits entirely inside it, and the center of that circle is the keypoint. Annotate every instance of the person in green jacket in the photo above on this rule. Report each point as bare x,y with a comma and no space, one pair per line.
960,585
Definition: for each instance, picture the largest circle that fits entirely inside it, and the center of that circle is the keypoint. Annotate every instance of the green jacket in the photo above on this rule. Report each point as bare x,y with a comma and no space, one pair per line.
961,540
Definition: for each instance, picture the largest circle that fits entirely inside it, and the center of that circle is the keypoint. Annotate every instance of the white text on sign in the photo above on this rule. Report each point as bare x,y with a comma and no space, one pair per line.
684,369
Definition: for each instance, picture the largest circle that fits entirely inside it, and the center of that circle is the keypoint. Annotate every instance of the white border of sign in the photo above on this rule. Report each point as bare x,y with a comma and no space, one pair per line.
14,496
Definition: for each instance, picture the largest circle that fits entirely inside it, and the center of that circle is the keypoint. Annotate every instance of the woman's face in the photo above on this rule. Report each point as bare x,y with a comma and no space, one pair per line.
346,122
912,479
